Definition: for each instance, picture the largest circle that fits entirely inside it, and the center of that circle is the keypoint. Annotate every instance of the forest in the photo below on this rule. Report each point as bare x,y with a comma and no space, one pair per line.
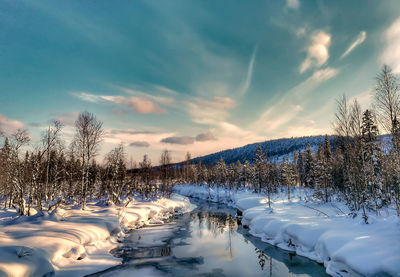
359,170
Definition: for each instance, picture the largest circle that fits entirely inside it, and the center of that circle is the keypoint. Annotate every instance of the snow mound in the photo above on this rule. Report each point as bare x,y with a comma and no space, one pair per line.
72,242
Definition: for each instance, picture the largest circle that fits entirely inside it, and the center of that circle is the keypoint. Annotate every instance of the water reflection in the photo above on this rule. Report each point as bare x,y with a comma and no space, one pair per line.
207,242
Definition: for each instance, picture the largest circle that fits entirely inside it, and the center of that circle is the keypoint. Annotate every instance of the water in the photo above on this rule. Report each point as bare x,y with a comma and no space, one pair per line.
207,242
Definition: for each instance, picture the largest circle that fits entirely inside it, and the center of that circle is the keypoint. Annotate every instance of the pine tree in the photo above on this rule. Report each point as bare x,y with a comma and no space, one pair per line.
371,169
308,167
288,176
260,168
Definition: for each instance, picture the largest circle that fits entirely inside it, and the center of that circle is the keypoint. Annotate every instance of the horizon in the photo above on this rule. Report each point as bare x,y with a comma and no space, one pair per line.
189,76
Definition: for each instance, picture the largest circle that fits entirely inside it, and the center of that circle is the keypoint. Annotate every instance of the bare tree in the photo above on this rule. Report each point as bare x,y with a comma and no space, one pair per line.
343,117
355,119
17,174
145,172
116,173
165,164
88,136
50,139
387,100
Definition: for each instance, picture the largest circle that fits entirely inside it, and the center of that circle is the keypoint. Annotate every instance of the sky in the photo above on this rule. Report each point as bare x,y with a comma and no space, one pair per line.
184,75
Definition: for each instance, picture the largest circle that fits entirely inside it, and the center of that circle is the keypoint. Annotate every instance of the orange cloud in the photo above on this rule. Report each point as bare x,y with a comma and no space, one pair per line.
141,105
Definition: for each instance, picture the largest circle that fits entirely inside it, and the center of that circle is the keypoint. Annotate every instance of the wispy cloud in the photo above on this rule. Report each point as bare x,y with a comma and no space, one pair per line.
391,52
140,105
210,111
360,39
293,4
249,75
88,97
317,52
291,102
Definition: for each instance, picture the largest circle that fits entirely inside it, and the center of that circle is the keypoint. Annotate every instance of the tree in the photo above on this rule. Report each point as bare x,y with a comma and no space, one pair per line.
116,173
308,167
165,166
145,172
287,176
370,171
16,169
342,123
259,166
186,168
387,102
326,168
50,139
88,136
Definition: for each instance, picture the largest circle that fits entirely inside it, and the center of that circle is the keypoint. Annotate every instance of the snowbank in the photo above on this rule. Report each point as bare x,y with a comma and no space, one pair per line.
322,232
72,242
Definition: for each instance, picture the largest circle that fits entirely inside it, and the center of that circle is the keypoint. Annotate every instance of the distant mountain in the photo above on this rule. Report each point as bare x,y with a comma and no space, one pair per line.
276,150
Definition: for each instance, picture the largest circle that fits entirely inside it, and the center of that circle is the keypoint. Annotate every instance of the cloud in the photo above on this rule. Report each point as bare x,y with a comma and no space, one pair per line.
317,52
128,136
292,102
88,97
141,105
249,75
178,140
360,39
166,90
9,126
129,131
210,111
205,137
293,4
364,98
169,101
324,74
391,53
139,144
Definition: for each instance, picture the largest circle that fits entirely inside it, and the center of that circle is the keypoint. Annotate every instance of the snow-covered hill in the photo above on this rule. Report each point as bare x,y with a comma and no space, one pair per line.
277,150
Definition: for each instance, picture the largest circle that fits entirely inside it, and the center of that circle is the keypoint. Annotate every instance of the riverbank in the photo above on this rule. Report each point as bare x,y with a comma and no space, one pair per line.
72,242
208,241
320,231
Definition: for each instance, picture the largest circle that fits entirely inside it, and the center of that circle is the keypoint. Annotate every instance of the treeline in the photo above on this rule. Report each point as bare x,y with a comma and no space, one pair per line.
53,174
357,170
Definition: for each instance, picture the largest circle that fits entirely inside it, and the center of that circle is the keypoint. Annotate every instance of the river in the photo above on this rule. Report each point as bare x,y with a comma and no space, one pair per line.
206,242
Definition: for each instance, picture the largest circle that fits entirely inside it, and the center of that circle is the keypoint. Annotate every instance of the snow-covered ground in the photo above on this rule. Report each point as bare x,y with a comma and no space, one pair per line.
323,232
72,242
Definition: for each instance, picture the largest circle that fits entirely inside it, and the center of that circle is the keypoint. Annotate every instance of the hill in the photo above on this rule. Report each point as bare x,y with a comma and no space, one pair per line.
276,150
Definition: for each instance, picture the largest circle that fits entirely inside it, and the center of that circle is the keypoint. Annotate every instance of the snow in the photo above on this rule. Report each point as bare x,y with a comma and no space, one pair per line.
320,231
72,242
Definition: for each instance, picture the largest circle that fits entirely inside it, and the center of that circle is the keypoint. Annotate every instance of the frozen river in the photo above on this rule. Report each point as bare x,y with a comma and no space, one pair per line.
206,242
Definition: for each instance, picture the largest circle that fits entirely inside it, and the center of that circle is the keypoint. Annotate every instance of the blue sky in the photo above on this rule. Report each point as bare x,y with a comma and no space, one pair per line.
198,76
